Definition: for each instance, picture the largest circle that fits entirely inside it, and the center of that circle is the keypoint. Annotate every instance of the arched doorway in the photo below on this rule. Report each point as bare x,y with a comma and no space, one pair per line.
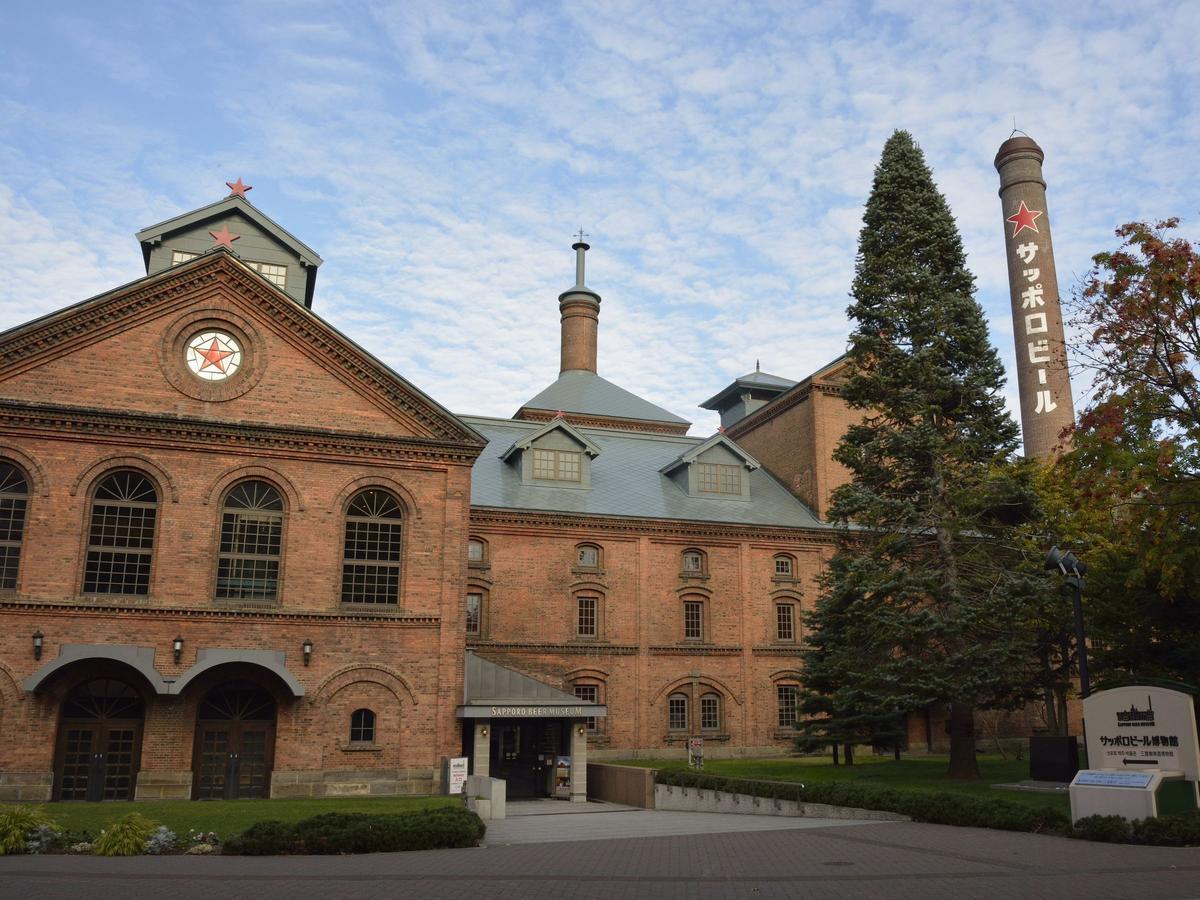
99,742
235,742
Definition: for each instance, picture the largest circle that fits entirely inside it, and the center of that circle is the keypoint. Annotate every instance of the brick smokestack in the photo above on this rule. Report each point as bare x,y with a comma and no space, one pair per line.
1043,382
580,309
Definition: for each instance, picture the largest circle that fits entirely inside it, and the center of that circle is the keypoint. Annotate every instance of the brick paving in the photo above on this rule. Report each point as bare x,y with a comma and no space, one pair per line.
887,860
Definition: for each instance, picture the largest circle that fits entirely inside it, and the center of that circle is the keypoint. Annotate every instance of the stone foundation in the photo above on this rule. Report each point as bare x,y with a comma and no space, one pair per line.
163,786
682,799
355,783
26,787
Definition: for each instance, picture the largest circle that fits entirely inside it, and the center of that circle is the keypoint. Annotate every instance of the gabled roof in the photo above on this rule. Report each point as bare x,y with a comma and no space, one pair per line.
716,440
586,393
752,381
63,330
491,690
556,424
154,233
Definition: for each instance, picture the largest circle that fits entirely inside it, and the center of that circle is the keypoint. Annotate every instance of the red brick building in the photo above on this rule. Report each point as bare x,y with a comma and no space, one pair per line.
242,557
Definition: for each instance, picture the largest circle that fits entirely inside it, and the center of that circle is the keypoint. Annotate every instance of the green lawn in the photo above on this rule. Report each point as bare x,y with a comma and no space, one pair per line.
920,773
226,817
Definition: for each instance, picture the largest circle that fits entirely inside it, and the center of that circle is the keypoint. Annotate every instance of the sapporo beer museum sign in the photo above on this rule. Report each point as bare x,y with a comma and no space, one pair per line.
1140,728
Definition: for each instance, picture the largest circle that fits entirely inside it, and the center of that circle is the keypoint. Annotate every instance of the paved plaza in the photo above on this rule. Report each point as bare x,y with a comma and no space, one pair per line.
626,854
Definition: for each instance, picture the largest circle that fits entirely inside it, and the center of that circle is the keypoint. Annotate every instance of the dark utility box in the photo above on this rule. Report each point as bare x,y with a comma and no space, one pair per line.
1053,758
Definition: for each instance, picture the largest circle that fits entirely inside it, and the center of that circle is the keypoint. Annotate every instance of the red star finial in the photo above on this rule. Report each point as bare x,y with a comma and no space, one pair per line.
559,415
1024,218
237,189
224,238
214,357
720,429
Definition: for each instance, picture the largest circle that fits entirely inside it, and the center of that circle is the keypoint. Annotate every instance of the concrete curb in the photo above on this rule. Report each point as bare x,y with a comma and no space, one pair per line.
683,799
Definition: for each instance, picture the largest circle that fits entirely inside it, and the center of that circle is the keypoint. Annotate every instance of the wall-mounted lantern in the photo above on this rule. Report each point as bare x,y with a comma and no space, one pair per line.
177,647
38,638
307,648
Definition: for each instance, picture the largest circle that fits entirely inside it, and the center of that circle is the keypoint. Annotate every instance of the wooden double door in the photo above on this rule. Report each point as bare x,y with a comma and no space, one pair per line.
235,743
99,742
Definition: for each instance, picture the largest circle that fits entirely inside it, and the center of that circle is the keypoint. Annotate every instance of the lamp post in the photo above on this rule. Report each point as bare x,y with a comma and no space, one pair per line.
1074,569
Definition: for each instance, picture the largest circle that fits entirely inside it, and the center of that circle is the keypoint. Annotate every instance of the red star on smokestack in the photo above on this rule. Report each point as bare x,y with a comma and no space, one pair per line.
237,189
224,238
1024,218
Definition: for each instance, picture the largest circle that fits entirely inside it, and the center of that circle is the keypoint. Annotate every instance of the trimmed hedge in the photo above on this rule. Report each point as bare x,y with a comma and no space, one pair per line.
330,833
945,808
942,808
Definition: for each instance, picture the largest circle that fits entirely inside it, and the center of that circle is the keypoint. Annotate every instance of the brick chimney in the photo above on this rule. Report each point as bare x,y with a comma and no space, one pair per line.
580,309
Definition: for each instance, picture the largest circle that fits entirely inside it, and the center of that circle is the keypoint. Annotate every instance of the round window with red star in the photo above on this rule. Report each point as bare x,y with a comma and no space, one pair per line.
213,355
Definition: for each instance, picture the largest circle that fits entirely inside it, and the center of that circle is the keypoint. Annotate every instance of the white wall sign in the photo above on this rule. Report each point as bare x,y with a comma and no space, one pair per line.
1142,728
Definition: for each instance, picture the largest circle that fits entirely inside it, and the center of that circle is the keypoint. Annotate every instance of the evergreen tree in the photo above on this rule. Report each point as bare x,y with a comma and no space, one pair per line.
932,591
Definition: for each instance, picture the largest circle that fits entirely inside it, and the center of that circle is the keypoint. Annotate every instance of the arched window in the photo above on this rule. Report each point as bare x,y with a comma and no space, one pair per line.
787,699
785,566
371,564
588,556
588,693
14,499
677,713
251,537
785,621
362,727
121,535
694,562
710,712
477,552
476,610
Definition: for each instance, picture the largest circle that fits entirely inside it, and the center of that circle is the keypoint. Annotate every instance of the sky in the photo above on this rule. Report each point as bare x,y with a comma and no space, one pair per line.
440,156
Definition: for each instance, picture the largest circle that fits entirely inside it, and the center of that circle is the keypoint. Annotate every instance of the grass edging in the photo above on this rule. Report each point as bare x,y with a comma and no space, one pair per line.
946,808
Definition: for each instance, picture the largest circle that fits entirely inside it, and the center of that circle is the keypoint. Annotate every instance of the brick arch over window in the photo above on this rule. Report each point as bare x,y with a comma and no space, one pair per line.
358,673
586,672
292,499
92,475
703,679
39,484
408,502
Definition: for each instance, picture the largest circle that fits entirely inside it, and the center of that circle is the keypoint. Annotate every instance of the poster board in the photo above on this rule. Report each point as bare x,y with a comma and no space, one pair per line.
456,774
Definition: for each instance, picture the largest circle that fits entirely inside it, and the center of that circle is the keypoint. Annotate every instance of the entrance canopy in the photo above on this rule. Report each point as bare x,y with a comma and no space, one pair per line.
492,691
140,659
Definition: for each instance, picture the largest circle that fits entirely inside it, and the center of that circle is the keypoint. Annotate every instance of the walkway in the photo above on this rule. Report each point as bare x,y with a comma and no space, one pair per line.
872,860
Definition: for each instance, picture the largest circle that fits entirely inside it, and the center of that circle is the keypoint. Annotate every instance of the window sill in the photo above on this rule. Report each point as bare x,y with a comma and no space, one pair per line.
233,603
694,576
593,571
479,566
785,579
781,734
363,747
381,608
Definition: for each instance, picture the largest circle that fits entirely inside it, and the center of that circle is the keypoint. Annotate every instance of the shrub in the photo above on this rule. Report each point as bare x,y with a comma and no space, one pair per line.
164,840
125,837
1178,830
18,824
1107,829
267,838
428,829
41,839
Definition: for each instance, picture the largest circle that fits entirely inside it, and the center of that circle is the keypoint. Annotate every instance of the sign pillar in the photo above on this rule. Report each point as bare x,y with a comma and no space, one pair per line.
1043,382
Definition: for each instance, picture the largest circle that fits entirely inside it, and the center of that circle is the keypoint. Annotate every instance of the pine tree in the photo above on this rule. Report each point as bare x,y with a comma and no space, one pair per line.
925,572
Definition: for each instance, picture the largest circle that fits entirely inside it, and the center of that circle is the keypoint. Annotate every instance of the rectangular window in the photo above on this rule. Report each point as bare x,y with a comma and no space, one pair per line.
783,565
588,693
787,696
710,712
693,620
556,465
785,622
677,712
474,613
277,275
248,567
586,623
181,256
713,478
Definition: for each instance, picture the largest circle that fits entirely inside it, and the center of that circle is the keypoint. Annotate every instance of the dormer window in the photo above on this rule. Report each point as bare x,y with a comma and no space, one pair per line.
181,256
557,465
277,275
715,478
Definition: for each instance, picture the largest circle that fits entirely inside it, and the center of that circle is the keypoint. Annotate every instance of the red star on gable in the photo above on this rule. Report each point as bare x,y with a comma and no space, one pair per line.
237,189
214,357
1024,218
224,238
